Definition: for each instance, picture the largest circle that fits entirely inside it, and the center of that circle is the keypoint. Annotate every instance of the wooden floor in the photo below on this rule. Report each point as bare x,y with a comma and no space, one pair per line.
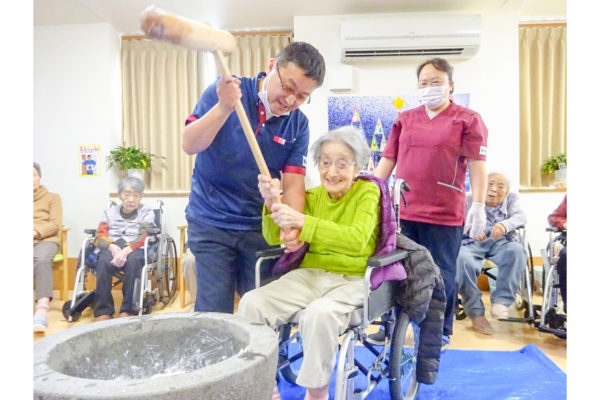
509,336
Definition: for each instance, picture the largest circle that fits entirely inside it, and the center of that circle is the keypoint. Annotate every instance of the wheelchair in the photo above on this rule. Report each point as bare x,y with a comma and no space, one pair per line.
394,361
157,282
548,316
524,293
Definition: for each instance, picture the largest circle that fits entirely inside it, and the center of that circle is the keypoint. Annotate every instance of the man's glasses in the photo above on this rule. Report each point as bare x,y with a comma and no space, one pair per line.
300,98
341,163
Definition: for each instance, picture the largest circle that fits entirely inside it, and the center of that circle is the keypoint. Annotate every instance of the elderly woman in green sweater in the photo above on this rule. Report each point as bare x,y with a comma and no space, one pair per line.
340,224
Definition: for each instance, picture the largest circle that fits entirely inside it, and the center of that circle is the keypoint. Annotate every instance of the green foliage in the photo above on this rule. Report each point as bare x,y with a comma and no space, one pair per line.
124,158
554,163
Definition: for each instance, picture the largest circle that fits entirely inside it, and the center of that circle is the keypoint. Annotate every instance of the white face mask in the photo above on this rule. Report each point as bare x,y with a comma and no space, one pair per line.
264,97
432,96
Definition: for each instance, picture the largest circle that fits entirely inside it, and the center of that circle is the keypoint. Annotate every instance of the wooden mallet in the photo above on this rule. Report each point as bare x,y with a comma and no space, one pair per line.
158,24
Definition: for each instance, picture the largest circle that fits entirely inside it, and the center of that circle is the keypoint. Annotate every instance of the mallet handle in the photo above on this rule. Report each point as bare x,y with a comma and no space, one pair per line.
241,113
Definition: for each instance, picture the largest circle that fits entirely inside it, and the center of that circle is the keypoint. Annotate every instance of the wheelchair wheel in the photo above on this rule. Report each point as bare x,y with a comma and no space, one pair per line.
288,371
167,272
65,312
403,361
522,296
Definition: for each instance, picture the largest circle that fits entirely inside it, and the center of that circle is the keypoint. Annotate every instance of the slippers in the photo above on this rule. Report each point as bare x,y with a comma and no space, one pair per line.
40,324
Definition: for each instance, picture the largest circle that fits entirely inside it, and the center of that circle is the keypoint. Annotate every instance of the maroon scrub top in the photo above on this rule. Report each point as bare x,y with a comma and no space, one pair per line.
431,155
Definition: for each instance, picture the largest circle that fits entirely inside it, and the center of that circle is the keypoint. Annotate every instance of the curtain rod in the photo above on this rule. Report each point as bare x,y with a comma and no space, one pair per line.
541,24
238,33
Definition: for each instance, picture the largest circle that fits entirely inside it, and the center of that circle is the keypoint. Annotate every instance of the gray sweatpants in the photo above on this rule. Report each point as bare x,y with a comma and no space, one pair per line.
328,299
43,254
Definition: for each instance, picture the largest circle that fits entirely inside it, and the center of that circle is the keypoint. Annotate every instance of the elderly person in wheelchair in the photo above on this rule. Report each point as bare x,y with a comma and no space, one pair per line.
497,243
340,225
120,237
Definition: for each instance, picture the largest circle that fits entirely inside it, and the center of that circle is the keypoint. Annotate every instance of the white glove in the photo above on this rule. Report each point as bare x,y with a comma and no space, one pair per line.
476,220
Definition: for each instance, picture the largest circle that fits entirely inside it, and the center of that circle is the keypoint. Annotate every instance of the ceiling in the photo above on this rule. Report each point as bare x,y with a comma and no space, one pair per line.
235,15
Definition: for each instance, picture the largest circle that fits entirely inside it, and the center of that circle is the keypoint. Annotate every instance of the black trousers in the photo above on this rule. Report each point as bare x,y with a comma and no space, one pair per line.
443,242
103,300
561,269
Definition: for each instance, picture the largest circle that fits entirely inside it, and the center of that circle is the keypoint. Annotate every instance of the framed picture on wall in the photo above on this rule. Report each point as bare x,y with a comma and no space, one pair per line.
89,160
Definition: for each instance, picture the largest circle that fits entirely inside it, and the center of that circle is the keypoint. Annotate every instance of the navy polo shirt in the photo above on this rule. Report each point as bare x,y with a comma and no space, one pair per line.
224,191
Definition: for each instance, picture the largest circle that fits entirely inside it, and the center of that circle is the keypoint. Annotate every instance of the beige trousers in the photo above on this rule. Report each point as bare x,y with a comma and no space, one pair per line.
328,298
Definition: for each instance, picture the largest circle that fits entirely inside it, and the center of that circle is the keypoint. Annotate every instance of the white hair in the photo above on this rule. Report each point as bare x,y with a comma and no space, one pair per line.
132,182
348,135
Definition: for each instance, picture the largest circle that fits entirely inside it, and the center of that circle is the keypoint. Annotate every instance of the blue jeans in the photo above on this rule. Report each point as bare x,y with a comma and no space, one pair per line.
443,242
511,260
225,262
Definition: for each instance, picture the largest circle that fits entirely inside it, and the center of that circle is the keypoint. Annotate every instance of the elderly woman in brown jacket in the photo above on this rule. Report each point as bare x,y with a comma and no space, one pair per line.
47,222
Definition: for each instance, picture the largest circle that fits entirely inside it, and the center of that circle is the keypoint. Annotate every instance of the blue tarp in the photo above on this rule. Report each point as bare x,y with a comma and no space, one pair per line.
474,375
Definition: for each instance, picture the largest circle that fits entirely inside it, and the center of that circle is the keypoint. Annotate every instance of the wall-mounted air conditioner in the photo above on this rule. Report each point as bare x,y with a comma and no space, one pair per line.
383,36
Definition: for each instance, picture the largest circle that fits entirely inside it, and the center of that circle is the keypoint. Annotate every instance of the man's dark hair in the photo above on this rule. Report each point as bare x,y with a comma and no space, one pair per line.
305,56
440,64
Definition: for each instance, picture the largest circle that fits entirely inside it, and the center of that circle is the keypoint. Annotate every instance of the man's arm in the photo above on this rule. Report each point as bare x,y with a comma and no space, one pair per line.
293,195
198,135
293,191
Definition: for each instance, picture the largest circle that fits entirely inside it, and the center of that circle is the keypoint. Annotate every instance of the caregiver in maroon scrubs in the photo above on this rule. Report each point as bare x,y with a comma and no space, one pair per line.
431,147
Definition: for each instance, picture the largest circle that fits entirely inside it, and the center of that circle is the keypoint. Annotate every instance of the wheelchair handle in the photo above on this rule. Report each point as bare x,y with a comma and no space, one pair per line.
270,252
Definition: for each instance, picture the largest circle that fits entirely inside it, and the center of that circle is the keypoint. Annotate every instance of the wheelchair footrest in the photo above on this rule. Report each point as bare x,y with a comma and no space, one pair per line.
82,302
526,320
561,333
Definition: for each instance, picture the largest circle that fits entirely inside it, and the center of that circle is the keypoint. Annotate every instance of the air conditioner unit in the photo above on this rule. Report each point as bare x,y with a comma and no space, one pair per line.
383,36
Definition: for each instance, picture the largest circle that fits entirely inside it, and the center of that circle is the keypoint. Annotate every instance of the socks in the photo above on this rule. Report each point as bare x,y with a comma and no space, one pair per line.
41,307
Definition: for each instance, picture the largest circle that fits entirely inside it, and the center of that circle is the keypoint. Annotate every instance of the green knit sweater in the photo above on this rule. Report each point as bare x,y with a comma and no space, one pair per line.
341,233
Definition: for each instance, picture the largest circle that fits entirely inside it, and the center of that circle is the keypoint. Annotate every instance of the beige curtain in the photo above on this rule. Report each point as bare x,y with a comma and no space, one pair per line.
161,85
543,112
254,51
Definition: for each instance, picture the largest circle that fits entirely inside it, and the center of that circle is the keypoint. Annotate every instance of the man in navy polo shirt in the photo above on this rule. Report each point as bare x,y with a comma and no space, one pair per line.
224,213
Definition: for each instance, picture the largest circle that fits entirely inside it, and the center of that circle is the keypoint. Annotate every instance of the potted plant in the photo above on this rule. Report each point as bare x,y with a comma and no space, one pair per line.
558,166
131,159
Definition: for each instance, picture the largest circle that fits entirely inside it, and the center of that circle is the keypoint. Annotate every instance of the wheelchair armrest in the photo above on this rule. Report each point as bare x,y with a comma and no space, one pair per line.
153,231
271,252
387,259
89,231
552,229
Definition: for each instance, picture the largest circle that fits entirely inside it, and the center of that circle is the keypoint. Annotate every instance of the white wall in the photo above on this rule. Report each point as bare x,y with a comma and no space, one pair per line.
77,100
491,78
